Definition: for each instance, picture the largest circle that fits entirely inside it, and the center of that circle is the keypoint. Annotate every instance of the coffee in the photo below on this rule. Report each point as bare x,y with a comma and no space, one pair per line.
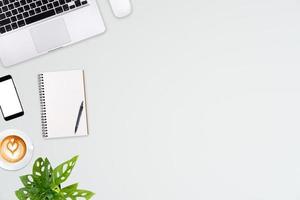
13,148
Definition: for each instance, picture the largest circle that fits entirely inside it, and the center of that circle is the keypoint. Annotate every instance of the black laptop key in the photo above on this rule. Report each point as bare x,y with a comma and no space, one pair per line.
21,23
11,6
8,28
14,12
44,8
17,4
49,6
31,12
8,14
4,8
59,10
84,2
55,4
38,10
21,9
1,3
13,19
2,16
14,25
4,22
26,14
2,30
27,7
23,2
66,7
32,5
40,16
5,2
45,1
62,2
77,3
20,16
29,1
39,3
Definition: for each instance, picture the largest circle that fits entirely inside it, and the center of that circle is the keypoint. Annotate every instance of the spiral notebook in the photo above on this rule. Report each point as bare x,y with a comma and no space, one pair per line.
63,104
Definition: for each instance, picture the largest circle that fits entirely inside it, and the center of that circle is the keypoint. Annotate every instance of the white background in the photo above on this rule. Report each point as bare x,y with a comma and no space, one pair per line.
194,100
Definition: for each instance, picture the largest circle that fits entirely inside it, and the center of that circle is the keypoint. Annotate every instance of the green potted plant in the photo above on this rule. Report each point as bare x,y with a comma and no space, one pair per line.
45,183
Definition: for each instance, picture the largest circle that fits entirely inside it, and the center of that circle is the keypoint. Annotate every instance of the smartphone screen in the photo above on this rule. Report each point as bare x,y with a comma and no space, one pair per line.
9,100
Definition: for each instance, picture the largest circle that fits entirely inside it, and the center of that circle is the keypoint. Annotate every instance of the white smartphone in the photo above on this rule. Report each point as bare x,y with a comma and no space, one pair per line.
10,104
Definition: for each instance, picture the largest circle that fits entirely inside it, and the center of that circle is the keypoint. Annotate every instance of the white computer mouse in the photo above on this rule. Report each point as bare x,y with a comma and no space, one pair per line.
121,8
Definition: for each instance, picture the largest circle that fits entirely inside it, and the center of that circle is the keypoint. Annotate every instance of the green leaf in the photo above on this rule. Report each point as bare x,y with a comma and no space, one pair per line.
42,172
53,196
27,180
63,171
27,193
70,188
22,194
71,192
45,183
78,194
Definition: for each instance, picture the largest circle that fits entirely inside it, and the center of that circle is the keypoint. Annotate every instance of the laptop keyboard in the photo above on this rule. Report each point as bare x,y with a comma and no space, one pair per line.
15,14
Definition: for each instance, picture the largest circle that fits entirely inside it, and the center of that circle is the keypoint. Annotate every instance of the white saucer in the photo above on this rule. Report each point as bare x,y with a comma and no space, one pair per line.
29,151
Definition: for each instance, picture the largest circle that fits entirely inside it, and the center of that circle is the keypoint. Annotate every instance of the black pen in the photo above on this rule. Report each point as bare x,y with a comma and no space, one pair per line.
78,117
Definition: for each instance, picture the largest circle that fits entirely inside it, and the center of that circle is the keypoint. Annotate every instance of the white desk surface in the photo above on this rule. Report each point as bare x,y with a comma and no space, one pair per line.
195,100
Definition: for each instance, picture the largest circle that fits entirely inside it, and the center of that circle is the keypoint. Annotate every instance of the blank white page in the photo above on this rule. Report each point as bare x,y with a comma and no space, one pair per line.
64,93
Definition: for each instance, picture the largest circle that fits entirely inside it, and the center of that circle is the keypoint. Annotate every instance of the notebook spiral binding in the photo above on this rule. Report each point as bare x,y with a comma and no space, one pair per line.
43,105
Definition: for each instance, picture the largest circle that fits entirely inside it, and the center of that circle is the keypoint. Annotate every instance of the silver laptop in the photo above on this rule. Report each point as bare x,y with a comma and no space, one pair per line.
30,28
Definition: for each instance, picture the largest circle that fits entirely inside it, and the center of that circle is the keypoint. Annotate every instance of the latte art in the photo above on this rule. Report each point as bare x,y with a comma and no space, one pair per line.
13,148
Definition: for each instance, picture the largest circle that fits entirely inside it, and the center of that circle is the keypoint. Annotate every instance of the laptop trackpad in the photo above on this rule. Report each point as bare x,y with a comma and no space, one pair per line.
50,35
